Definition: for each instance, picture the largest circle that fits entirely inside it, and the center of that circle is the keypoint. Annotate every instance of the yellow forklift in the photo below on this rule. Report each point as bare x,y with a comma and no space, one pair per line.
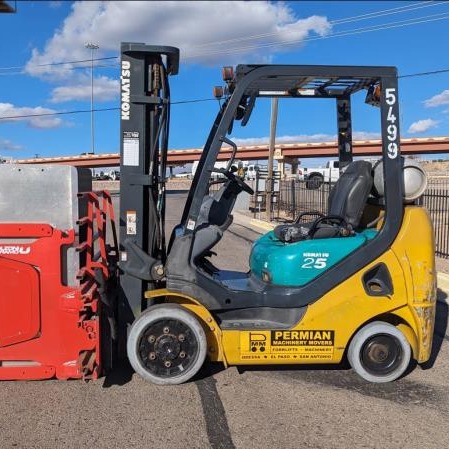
357,283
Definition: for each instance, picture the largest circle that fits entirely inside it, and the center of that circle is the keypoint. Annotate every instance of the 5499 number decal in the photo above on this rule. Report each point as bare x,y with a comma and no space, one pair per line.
392,129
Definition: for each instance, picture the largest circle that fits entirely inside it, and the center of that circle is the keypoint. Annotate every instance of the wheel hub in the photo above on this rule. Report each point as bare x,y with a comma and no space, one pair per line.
378,352
168,347
381,354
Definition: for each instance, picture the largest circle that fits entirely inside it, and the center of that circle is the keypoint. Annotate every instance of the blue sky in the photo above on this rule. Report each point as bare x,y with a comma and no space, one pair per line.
410,35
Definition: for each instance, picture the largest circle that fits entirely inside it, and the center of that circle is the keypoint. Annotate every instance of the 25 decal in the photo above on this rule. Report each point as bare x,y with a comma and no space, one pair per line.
315,262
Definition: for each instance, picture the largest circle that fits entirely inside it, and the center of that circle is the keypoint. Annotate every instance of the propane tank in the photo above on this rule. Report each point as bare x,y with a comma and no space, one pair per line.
414,178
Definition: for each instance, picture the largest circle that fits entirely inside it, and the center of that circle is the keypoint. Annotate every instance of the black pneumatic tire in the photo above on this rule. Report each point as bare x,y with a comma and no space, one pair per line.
157,334
379,352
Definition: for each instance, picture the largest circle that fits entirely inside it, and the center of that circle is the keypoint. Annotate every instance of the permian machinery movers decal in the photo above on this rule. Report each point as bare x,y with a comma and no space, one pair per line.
287,345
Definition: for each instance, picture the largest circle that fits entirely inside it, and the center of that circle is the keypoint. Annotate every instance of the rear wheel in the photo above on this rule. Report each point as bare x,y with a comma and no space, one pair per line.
166,345
379,352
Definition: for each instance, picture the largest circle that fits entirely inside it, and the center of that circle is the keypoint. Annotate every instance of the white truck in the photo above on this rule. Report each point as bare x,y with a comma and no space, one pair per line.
218,165
250,169
315,177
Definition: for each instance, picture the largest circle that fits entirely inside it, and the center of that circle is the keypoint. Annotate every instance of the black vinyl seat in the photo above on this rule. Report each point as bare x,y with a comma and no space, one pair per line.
347,201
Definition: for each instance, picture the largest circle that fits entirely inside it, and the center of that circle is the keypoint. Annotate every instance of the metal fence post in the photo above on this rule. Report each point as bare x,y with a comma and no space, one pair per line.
293,197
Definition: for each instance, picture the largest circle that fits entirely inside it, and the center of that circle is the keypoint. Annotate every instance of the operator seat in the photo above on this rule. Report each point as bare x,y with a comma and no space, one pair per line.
347,200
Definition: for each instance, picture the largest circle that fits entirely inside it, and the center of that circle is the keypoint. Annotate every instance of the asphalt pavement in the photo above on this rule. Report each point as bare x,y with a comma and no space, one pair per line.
236,408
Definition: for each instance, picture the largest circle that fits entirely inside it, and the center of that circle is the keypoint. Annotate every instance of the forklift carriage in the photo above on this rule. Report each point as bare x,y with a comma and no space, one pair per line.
58,275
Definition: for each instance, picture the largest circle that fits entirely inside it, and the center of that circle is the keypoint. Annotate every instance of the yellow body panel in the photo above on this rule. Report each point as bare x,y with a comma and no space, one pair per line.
341,311
324,332
415,250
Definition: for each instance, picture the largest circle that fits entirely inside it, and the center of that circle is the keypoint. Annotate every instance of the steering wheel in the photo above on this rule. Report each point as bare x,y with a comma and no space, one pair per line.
239,181
345,229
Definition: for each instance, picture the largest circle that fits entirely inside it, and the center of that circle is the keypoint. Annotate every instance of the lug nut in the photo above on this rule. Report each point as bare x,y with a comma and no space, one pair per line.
182,354
151,339
152,355
166,330
167,364
181,337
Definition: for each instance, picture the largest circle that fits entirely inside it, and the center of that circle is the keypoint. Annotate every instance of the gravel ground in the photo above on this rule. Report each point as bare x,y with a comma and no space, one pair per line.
442,265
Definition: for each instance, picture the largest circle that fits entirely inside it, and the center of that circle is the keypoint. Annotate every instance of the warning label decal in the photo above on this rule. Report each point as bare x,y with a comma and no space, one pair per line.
288,345
131,148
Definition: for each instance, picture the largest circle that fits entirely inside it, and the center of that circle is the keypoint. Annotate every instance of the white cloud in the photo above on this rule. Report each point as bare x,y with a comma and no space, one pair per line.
224,32
306,138
104,89
33,119
438,100
365,135
422,125
204,31
7,145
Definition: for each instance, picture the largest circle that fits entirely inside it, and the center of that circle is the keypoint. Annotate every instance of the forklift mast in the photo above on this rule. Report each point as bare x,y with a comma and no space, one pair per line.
144,130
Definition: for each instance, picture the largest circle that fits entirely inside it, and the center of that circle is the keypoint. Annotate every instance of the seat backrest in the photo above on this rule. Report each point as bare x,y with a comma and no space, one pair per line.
347,200
348,197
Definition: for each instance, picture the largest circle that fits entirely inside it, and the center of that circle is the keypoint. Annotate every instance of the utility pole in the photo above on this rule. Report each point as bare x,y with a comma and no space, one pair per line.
269,184
92,47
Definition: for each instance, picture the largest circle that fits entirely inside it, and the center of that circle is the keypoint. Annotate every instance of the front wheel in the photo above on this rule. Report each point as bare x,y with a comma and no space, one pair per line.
379,352
166,345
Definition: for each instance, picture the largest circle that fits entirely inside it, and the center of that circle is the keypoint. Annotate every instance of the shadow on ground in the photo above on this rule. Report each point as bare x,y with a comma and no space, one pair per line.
120,375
